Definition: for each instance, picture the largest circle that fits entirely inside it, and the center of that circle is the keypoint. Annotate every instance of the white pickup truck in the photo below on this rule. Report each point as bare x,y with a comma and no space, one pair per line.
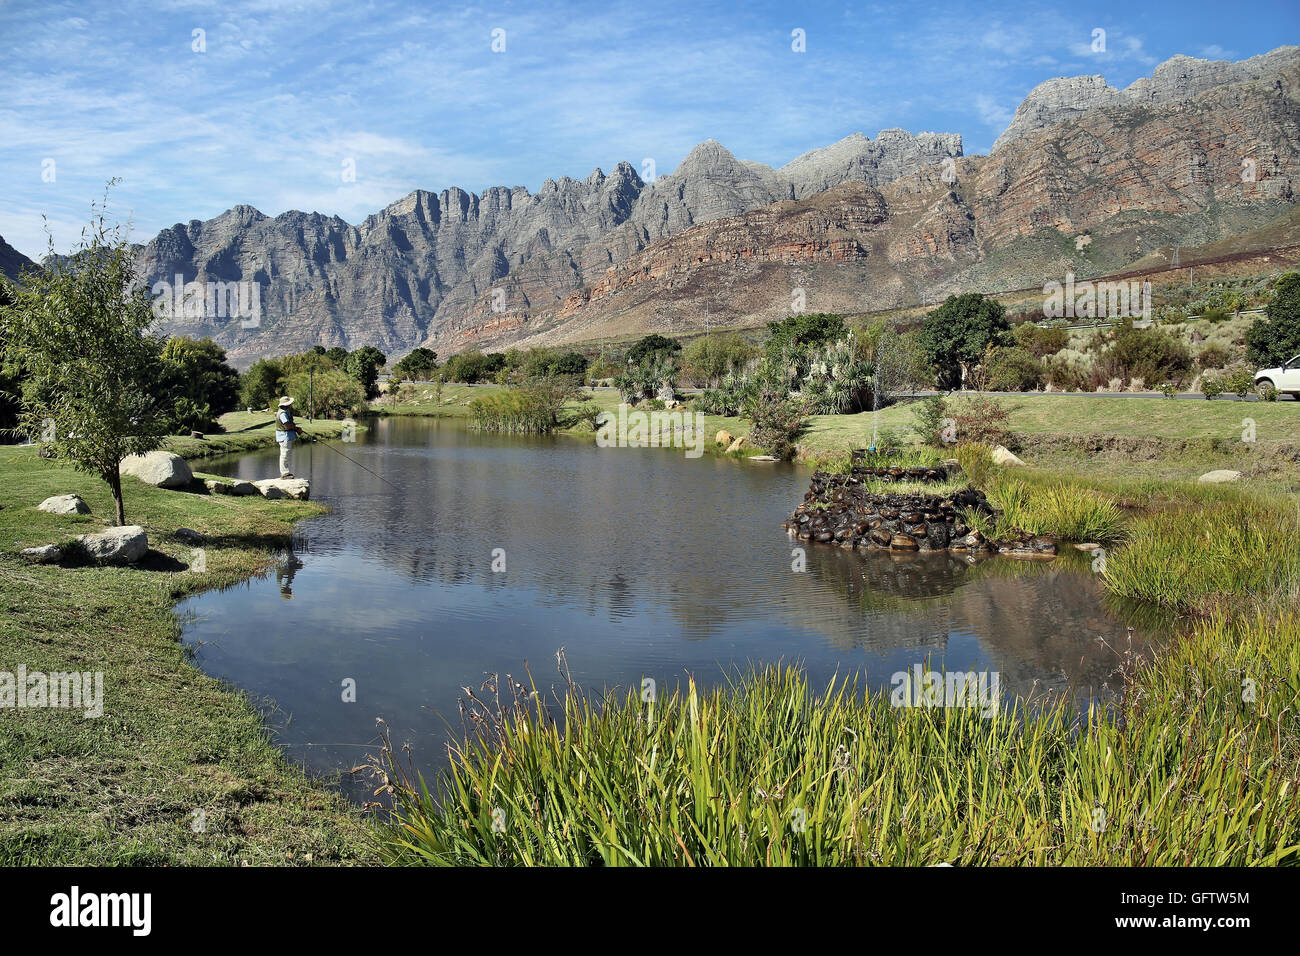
1285,379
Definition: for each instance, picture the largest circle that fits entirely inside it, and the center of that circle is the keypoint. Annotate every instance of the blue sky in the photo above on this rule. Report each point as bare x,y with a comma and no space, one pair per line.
285,94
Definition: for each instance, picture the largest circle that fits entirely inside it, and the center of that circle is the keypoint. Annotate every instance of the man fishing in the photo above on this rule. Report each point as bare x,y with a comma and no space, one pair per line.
286,433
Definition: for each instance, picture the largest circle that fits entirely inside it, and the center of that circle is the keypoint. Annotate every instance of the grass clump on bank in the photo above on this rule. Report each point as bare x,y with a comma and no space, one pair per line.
767,771
1063,509
536,409
1233,552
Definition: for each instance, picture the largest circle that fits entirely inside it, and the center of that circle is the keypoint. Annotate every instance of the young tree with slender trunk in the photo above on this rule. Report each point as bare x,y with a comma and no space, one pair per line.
79,329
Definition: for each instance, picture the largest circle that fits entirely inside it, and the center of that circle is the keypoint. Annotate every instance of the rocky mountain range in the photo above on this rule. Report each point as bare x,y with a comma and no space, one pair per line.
12,262
1178,78
1086,178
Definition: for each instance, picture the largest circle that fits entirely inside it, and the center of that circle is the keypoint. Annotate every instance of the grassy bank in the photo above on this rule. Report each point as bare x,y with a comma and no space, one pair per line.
128,787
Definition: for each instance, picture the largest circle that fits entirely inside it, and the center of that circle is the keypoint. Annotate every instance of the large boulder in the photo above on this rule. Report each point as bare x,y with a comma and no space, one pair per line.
1220,476
161,469
45,554
124,545
1003,456
65,505
274,488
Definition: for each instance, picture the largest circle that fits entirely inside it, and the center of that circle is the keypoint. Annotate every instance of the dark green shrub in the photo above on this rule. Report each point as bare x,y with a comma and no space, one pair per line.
1013,370
928,417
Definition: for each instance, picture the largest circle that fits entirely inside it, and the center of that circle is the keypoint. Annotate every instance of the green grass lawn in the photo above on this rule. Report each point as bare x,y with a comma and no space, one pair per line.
1170,419
453,401
128,787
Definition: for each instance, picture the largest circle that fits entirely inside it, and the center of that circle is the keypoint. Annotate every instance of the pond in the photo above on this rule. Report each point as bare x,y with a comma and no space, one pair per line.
638,562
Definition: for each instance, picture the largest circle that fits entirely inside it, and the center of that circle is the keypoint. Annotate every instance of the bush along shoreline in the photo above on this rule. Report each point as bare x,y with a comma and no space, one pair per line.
1197,763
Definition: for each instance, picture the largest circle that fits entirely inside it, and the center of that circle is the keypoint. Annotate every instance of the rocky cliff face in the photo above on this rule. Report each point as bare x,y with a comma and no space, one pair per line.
857,225
1178,78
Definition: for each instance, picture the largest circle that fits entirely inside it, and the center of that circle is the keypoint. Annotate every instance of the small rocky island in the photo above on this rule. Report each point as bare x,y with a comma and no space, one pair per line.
842,510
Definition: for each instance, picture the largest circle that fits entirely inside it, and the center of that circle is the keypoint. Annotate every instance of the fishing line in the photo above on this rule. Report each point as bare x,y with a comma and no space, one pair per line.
317,441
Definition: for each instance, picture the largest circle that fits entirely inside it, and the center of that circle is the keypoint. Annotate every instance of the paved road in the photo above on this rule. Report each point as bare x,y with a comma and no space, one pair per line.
1199,396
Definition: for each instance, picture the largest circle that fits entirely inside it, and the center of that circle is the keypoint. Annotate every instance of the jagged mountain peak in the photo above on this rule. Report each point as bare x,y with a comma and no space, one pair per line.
1179,77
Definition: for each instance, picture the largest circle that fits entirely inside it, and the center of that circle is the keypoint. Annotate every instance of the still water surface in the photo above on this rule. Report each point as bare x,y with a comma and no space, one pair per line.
638,562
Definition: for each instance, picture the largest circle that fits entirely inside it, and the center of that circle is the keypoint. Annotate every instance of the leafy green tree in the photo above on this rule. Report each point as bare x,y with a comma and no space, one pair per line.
570,363
336,355
958,332
1276,339
335,394
260,385
419,363
197,383
651,347
364,365
803,332
472,366
708,360
79,329
10,375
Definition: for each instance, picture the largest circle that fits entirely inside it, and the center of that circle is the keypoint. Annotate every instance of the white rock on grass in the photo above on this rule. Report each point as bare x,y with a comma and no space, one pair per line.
1002,456
1220,476
65,505
161,469
45,554
127,544
274,488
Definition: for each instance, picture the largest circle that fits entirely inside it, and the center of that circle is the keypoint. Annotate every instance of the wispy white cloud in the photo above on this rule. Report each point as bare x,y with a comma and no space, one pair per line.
1216,52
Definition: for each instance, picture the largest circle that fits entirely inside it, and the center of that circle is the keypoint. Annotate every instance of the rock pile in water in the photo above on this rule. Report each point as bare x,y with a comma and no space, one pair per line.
840,510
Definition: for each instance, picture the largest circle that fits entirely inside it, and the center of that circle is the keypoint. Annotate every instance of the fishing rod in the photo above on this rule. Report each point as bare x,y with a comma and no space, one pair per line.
316,440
